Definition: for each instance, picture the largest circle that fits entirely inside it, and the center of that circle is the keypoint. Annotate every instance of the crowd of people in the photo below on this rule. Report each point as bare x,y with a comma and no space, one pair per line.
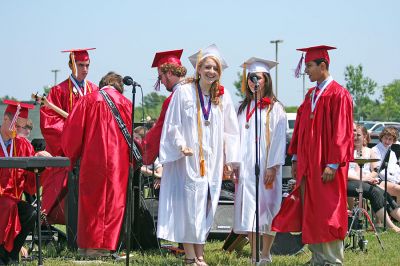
199,137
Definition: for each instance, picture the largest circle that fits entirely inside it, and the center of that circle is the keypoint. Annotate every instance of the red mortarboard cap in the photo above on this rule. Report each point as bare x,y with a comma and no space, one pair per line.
316,52
80,54
13,105
171,57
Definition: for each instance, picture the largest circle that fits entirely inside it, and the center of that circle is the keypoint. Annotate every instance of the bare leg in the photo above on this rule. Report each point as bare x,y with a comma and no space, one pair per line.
393,189
199,250
190,253
267,244
389,222
396,214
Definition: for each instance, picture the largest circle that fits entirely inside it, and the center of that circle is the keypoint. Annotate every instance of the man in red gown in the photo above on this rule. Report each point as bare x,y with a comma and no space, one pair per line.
64,96
91,133
170,73
17,217
321,146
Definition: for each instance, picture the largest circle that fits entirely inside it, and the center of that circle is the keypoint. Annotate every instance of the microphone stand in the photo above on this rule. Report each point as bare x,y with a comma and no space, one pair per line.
257,174
130,212
385,164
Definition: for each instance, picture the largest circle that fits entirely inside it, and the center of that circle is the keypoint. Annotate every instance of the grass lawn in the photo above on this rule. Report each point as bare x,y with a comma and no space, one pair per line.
216,256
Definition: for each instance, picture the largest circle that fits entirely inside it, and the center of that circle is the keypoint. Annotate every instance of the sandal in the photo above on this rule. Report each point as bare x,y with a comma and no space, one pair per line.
201,262
190,262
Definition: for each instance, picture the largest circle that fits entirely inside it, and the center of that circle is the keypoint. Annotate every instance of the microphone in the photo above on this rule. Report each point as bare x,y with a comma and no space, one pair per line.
254,78
128,81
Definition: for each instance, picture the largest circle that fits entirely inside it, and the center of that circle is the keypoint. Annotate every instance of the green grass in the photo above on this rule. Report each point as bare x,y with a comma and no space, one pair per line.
216,256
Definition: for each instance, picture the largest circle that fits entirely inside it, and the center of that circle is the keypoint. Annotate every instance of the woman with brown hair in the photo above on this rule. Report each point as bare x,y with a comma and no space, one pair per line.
371,190
200,135
272,150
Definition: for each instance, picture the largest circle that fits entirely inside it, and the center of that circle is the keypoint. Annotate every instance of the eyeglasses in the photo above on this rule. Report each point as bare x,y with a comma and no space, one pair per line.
25,127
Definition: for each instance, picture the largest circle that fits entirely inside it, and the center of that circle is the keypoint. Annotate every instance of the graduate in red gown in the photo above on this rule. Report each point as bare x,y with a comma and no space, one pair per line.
322,149
17,217
170,73
91,133
64,96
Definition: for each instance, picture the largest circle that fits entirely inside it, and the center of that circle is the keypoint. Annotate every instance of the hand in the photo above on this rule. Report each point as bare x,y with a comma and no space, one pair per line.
269,176
328,175
228,170
187,151
157,183
43,154
294,169
24,252
371,180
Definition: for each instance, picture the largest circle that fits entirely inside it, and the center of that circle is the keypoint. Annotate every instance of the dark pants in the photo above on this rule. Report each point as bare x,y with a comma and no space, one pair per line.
27,218
373,193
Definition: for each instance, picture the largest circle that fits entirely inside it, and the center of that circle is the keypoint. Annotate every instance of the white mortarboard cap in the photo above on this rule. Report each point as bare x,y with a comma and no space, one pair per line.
211,50
255,64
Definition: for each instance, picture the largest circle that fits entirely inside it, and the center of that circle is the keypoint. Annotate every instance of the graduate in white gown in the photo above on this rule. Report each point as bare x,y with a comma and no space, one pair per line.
200,135
272,143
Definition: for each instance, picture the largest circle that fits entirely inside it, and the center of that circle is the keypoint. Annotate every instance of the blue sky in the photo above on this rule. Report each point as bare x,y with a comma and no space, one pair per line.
128,33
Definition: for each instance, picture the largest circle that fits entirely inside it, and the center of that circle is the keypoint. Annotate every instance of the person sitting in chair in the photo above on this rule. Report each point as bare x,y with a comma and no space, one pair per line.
387,137
370,179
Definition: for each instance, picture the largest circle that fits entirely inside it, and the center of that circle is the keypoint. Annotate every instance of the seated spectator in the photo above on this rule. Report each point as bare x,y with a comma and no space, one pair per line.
388,136
370,179
24,129
17,217
152,170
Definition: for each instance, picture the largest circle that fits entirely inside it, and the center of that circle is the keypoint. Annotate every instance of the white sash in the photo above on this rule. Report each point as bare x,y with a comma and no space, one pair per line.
3,146
314,102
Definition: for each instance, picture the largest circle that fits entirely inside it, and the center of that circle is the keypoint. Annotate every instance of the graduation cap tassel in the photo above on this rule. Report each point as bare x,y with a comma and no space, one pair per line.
157,85
72,57
244,79
297,71
199,55
14,121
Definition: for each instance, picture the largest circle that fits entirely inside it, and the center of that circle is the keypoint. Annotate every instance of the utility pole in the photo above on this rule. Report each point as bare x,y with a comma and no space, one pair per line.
276,68
55,75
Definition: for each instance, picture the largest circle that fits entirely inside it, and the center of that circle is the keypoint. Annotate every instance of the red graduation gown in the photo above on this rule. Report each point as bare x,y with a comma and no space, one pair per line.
151,142
92,134
326,139
12,184
54,180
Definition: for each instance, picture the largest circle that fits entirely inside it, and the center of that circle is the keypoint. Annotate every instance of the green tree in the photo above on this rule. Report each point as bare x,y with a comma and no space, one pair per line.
6,97
291,109
151,106
360,87
46,89
390,108
238,86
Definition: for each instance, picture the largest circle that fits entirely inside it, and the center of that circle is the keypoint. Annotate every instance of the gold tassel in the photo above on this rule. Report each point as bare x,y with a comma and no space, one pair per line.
268,140
244,79
72,57
199,55
202,167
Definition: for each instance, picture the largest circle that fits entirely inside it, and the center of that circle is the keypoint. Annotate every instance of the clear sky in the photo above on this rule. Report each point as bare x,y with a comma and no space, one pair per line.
128,33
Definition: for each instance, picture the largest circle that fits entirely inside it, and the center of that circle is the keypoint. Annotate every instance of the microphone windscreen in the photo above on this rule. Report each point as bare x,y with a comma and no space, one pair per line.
127,80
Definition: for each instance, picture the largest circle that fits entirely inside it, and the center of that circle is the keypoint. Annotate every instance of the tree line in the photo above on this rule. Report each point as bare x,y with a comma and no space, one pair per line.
371,102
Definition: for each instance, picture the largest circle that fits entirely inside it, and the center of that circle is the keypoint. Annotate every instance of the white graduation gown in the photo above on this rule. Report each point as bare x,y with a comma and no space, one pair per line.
183,213
269,199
